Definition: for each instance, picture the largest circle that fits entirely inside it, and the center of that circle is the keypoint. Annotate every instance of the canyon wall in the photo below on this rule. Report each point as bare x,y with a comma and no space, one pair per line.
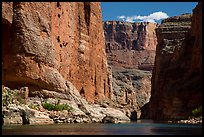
55,42
131,90
130,45
176,79
130,48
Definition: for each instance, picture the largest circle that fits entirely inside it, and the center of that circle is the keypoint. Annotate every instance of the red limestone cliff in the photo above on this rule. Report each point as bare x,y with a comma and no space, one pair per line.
130,48
130,45
55,42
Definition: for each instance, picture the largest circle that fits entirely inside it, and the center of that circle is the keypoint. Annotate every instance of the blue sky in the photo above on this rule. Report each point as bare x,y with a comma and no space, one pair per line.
144,11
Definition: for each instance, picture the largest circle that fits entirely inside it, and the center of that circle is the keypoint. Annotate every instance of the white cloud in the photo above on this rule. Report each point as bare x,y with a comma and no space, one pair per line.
153,17
129,19
158,15
140,17
122,18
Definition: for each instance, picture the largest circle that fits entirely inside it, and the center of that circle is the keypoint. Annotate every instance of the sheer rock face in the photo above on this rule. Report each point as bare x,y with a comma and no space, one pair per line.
131,89
130,45
176,81
55,42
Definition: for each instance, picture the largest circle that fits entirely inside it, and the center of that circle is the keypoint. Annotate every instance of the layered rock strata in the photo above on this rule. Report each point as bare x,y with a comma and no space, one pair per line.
130,48
176,81
55,42
130,45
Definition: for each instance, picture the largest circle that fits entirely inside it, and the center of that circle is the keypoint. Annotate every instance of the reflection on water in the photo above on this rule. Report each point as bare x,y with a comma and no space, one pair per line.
141,127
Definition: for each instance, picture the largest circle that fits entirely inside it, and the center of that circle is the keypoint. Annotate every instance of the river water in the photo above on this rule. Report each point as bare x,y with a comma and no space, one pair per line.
141,127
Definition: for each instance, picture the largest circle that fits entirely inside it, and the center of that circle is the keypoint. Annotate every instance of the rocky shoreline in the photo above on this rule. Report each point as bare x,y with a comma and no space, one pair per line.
18,108
17,111
195,121
13,114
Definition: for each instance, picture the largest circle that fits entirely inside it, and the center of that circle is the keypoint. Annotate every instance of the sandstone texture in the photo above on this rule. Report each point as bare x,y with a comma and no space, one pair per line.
176,79
130,45
52,43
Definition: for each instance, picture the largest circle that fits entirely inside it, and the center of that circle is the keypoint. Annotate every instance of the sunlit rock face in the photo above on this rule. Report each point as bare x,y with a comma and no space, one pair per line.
176,79
53,42
130,48
130,45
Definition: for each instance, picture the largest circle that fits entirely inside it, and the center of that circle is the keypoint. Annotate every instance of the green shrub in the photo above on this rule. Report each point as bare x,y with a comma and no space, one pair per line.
48,106
197,112
57,106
